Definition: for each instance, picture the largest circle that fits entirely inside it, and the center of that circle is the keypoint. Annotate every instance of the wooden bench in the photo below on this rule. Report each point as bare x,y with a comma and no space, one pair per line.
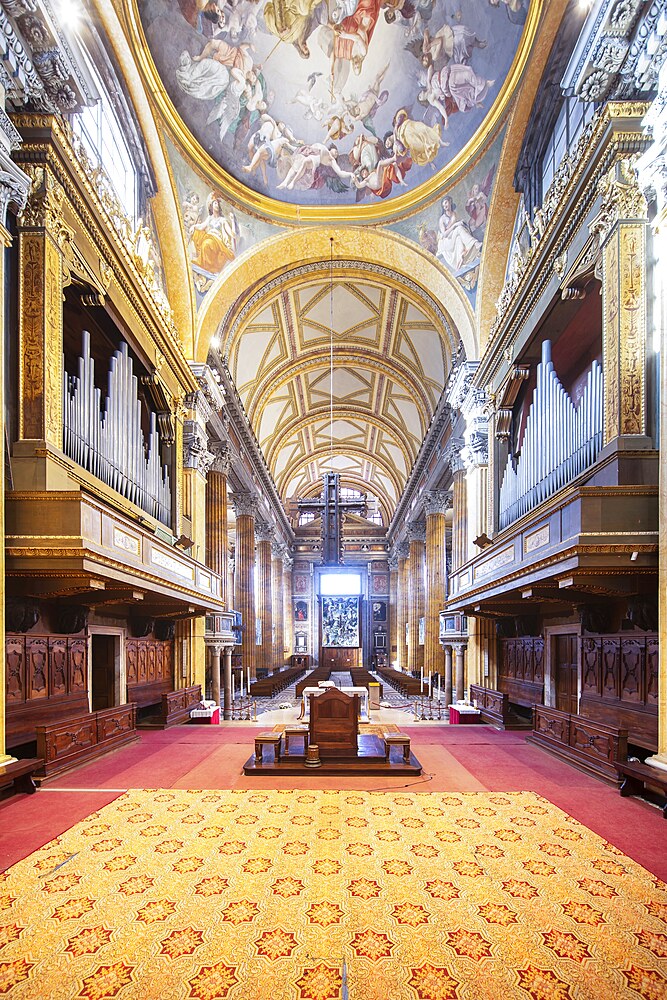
19,774
397,740
267,739
588,745
76,741
496,709
296,732
637,776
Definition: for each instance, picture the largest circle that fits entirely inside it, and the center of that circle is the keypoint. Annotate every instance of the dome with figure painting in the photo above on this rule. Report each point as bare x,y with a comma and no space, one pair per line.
338,103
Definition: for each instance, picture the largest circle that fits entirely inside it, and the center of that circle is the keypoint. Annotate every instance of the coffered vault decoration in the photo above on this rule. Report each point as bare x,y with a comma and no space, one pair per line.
392,353
334,102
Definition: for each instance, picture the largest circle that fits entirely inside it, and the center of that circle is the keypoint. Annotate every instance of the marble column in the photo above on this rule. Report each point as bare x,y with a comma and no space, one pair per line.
231,567
392,651
459,650
14,187
448,675
277,604
245,506
459,517
215,651
436,505
197,461
416,601
217,528
264,533
402,552
288,611
227,683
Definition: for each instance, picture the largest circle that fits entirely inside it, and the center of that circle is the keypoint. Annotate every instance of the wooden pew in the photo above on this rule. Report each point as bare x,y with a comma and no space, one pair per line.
63,745
495,708
589,746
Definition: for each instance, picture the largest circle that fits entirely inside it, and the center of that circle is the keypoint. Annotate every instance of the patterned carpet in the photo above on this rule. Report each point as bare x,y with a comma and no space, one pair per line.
326,894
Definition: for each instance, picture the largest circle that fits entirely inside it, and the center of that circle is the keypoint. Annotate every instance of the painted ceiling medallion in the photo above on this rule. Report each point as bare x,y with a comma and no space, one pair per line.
334,102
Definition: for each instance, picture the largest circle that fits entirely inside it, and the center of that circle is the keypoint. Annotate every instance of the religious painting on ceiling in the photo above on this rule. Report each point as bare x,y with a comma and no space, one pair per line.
333,101
340,621
453,229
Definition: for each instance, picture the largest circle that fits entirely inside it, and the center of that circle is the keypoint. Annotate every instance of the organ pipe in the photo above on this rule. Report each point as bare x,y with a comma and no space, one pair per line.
559,441
105,437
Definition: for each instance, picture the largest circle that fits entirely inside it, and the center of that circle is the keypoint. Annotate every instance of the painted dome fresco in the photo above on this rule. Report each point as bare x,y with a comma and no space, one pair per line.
334,102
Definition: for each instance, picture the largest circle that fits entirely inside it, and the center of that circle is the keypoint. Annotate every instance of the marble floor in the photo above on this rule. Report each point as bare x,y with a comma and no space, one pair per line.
394,707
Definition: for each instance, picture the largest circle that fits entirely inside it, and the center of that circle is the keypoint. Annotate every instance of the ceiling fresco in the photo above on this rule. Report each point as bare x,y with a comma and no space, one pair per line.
332,102
391,359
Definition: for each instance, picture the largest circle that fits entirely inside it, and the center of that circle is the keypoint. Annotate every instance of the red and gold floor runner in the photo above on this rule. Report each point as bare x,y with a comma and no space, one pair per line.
328,894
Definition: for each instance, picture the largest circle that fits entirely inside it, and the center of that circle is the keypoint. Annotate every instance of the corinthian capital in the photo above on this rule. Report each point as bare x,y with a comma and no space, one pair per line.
14,187
417,531
244,503
621,198
438,502
264,531
222,460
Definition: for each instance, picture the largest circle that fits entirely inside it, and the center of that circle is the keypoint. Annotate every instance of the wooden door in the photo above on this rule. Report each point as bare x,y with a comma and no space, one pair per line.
103,672
340,658
566,681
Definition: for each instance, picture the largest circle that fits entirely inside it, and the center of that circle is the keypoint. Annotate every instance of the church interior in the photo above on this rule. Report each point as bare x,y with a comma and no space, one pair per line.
334,536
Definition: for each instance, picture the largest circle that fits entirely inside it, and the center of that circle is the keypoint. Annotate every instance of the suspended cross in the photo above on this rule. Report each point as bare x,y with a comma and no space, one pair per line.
331,508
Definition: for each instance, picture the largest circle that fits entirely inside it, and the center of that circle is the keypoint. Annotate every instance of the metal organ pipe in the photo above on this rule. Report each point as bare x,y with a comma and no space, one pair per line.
106,437
559,441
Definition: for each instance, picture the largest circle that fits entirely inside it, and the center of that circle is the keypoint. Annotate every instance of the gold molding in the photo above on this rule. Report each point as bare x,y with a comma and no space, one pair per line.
273,209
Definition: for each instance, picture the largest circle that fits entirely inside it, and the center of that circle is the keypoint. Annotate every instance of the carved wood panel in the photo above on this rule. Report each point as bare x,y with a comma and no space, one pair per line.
37,655
15,668
652,671
632,675
590,667
610,668
149,661
57,666
78,671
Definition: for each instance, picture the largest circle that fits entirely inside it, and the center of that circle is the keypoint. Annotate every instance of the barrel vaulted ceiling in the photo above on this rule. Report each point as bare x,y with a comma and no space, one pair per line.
391,356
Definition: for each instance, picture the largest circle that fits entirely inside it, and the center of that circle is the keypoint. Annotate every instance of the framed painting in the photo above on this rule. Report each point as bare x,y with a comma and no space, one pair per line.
340,621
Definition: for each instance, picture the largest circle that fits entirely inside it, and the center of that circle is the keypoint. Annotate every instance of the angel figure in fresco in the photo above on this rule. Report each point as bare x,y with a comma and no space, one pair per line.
347,43
215,239
457,247
455,87
366,107
221,73
516,9
293,21
272,141
451,43
313,166
477,204
422,142
378,165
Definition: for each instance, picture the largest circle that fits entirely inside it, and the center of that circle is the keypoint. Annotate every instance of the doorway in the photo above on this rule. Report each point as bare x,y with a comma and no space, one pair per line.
102,672
566,674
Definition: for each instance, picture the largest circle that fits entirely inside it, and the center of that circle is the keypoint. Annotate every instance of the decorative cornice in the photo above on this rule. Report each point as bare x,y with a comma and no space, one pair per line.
438,502
209,381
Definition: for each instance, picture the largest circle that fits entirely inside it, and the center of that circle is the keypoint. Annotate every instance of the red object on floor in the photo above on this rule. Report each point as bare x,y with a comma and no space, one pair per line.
461,718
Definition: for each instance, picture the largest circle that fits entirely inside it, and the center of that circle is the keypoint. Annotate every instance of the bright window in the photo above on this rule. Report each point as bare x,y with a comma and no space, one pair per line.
340,584
102,135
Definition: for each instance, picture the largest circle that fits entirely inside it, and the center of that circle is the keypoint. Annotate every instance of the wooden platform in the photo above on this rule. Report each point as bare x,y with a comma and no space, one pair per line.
369,759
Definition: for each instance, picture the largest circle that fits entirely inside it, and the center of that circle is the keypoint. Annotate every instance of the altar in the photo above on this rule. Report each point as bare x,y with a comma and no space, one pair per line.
364,713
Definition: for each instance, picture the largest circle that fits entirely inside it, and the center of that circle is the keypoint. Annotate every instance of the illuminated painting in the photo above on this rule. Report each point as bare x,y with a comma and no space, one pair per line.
340,621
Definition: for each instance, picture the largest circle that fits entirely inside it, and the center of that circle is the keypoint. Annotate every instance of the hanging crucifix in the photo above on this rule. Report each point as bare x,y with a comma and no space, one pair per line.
331,508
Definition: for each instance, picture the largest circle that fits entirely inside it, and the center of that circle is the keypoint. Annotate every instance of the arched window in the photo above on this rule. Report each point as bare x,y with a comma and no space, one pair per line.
101,132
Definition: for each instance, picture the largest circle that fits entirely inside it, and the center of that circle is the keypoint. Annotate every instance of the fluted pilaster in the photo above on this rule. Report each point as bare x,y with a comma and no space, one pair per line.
393,609
403,552
416,596
263,537
245,506
217,528
277,603
288,613
436,504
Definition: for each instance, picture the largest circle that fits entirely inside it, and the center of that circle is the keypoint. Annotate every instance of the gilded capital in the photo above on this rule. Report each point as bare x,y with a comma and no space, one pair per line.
621,199
43,209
